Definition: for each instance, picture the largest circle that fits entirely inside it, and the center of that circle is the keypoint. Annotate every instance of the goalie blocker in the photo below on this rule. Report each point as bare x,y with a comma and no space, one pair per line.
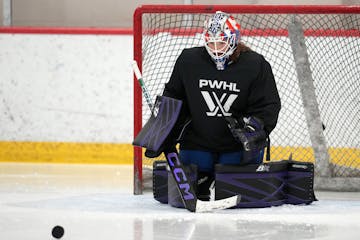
260,185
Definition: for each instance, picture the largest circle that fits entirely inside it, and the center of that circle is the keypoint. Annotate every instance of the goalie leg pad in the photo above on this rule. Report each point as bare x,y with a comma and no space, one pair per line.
174,196
300,183
259,185
160,181
298,189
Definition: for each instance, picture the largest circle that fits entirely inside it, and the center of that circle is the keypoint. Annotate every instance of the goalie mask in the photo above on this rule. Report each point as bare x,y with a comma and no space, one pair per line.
221,36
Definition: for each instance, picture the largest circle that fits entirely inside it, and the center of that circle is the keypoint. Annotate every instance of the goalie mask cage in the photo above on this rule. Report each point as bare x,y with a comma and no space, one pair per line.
314,52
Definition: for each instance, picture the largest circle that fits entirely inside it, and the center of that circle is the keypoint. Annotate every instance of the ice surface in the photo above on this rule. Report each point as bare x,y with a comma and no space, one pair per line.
96,202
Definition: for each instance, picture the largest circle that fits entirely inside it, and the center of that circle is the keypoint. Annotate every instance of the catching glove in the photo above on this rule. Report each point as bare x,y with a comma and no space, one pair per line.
250,133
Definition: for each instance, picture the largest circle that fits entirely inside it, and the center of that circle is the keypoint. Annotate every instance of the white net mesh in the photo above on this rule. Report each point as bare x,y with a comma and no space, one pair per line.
333,45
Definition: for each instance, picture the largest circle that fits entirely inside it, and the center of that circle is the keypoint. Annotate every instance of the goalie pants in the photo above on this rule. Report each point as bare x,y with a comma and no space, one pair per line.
205,161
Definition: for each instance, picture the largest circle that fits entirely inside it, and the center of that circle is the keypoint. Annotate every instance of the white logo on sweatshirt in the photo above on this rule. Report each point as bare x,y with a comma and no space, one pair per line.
218,105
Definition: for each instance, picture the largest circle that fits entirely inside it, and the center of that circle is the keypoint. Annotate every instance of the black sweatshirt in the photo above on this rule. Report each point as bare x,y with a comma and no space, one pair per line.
245,88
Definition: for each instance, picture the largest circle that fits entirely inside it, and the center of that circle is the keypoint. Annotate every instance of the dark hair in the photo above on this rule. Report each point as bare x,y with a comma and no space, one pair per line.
241,47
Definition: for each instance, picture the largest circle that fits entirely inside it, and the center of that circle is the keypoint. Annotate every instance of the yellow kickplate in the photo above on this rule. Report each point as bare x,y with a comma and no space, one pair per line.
122,153
348,157
65,152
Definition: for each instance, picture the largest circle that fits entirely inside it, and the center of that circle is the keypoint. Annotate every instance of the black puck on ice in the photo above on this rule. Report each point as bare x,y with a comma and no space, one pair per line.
57,232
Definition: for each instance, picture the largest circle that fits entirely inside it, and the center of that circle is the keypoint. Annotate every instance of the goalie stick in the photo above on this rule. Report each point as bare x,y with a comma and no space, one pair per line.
183,184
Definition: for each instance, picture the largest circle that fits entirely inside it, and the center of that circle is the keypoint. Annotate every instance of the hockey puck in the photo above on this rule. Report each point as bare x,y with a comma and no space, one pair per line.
57,232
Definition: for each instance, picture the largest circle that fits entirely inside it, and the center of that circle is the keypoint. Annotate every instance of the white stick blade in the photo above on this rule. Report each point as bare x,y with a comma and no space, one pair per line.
208,206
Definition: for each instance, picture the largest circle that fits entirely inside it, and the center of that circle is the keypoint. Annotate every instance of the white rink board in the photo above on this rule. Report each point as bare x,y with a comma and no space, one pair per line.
79,88
66,88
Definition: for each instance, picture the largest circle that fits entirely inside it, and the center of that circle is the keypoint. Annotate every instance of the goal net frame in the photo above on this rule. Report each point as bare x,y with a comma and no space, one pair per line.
324,177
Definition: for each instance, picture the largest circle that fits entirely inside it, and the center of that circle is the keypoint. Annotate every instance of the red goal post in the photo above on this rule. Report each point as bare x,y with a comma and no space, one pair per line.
314,52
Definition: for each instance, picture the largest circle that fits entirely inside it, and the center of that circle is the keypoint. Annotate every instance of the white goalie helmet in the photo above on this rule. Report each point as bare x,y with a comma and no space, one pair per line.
221,36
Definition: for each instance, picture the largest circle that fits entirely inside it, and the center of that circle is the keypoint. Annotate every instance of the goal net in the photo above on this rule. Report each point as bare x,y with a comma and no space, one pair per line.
315,56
